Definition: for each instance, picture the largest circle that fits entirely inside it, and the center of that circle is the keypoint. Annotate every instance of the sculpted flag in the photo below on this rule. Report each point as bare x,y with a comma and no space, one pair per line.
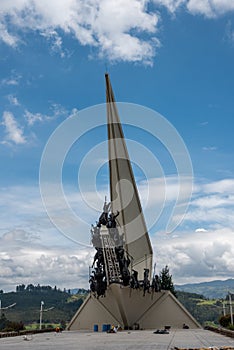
124,193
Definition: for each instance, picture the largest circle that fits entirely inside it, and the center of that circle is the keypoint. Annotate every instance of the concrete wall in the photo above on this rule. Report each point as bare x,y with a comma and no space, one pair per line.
127,307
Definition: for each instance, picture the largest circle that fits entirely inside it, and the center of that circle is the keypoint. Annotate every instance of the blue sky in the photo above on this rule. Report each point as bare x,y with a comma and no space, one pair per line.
172,56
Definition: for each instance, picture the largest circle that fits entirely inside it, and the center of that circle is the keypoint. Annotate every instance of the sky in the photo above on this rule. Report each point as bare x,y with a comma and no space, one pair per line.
173,57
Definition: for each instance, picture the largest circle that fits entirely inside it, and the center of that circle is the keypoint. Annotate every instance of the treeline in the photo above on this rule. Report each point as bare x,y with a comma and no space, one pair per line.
33,288
28,303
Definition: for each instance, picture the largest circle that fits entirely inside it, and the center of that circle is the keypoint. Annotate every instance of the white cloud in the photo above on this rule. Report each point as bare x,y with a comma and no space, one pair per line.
209,148
171,5
120,30
13,132
13,100
207,8
207,252
57,111
32,118
7,38
229,32
201,230
196,257
114,27
214,200
26,259
213,203
210,8
55,41
32,250
225,187
13,80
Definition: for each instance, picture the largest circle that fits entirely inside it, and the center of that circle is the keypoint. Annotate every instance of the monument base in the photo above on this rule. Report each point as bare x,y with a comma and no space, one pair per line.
129,309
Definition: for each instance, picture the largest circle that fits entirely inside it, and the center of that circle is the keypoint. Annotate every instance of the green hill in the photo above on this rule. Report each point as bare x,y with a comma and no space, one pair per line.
65,304
202,309
28,303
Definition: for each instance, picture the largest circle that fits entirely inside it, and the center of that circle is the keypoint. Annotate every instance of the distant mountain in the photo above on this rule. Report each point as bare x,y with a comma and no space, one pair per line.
212,290
80,291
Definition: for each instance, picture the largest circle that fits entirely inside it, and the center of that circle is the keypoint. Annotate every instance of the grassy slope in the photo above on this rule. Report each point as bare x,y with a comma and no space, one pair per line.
204,310
65,305
28,304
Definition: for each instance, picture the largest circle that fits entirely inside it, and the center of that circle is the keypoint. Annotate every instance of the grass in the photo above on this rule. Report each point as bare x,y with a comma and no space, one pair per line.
75,297
207,302
33,326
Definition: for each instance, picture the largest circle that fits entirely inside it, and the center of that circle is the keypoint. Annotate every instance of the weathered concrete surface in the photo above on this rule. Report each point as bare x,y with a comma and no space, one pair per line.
125,340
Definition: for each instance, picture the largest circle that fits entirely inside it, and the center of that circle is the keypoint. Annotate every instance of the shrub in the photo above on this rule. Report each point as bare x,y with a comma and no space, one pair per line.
14,326
225,321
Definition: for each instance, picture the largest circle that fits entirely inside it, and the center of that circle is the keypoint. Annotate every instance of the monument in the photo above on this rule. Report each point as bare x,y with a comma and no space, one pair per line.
123,289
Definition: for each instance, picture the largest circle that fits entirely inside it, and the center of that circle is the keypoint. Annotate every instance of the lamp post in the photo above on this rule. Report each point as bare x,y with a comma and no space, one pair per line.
41,312
230,303
224,308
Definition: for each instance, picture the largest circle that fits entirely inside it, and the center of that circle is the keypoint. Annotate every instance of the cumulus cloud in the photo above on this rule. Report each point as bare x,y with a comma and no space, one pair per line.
171,5
113,27
202,248
201,230
196,257
26,259
32,250
224,187
210,8
206,252
14,133
119,30
207,8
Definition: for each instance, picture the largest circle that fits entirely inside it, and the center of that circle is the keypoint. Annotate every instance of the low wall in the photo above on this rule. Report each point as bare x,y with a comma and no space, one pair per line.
15,334
220,330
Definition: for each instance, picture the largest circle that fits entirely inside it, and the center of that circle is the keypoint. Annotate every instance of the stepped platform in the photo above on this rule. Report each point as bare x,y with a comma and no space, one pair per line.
177,339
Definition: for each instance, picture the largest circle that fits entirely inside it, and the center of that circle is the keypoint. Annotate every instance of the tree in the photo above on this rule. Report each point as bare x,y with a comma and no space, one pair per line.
6,325
225,321
30,287
20,288
63,325
166,280
3,322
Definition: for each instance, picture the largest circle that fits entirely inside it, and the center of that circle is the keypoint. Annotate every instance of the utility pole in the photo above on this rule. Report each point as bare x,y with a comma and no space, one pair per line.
41,312
4,308
224,308
230,303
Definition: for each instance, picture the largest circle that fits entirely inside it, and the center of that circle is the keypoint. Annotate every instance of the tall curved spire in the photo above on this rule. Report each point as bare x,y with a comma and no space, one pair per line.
123,191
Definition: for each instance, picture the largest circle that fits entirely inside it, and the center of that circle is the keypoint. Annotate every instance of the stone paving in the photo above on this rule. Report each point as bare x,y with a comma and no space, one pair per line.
125,340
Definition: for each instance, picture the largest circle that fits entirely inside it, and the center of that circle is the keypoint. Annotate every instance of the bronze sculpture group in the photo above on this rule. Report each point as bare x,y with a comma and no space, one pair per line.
128,276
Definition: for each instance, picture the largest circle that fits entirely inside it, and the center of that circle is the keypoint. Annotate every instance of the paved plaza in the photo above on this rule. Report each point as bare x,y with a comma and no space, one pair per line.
124,340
